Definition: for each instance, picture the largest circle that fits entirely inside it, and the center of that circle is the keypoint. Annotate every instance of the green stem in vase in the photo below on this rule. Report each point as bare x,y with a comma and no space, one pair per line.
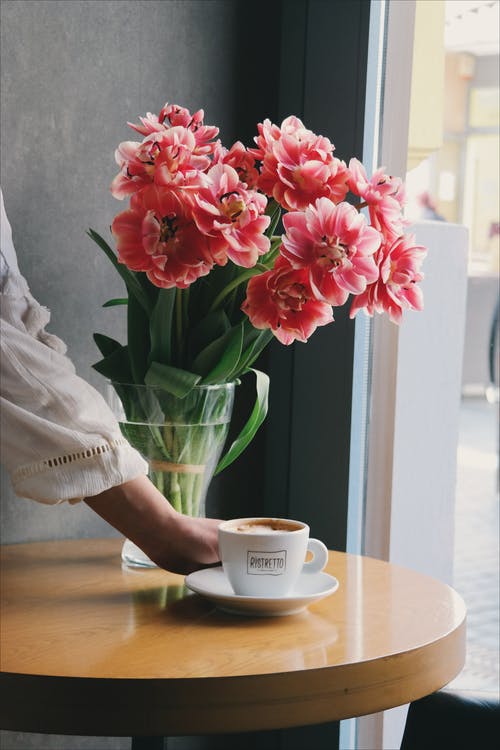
158,440
199,482
175,494
182,445
202,436
188,494
158,481
168,441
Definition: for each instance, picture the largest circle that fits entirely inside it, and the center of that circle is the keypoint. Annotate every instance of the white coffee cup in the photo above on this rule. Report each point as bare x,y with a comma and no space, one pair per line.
264,557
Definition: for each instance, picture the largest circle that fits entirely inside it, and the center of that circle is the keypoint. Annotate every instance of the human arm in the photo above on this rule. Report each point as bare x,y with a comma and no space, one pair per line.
60,441
173,541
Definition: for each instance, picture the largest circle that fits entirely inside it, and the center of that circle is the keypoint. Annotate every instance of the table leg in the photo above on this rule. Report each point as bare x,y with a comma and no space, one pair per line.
149,743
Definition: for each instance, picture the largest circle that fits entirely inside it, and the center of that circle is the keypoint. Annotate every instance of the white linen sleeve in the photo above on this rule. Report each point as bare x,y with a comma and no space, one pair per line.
59,439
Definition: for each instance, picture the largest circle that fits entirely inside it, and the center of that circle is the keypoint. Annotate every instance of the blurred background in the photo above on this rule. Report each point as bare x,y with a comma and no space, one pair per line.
453,176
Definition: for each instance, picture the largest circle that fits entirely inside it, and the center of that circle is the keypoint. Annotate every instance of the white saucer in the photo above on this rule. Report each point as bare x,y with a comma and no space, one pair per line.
213,584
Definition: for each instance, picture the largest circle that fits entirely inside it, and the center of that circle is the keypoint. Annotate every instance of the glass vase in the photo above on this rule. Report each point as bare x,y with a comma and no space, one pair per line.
180,438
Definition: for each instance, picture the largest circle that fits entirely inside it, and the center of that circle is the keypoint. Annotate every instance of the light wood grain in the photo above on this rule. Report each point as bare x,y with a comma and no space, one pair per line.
89,647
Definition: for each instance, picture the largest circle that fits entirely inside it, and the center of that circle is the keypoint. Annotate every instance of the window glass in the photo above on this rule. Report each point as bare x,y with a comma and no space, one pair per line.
484,108
458,181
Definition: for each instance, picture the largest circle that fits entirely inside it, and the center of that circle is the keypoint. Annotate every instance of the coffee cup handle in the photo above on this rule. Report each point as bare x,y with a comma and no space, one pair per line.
320,557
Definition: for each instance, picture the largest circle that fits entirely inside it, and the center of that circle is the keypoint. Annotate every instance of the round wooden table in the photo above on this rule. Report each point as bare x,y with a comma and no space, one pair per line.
90,647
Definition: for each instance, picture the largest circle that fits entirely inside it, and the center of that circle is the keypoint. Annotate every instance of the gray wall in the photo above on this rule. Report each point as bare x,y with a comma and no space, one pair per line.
73,73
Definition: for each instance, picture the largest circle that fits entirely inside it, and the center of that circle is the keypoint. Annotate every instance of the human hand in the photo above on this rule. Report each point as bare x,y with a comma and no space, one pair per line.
178,543
189,544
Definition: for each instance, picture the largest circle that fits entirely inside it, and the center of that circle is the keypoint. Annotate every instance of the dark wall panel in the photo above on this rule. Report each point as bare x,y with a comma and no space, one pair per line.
325,45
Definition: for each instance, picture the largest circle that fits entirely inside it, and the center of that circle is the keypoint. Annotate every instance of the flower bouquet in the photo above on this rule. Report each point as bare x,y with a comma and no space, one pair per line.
212,276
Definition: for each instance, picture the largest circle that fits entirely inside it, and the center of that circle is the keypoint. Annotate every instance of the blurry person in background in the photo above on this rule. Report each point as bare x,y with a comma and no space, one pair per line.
428,208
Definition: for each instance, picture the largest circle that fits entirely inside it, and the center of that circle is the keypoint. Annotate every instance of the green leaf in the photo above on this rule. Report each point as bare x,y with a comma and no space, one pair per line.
273,209
205,289
270,257
241,279
149,289
210,357
134,286
257,416
139,343
106,344
255,349
116,365
116,301
211,327
171,379
160,327
228,363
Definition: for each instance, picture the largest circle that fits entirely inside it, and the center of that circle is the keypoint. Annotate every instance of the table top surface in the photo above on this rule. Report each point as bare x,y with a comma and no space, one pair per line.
73,618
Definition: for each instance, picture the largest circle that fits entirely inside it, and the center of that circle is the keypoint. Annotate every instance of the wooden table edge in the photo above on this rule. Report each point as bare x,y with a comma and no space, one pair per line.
205,705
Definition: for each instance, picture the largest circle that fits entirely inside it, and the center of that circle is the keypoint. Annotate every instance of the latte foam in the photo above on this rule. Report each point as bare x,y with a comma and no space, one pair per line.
267,527
258,529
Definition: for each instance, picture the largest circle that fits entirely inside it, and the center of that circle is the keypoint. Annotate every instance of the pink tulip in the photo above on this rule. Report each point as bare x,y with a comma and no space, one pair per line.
136,168
203,134
384,195
241,159
336,246
396,289
157,235
177,163
282,300
167,158
172,115
195,204
149,124
232,215
268,133
298,166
